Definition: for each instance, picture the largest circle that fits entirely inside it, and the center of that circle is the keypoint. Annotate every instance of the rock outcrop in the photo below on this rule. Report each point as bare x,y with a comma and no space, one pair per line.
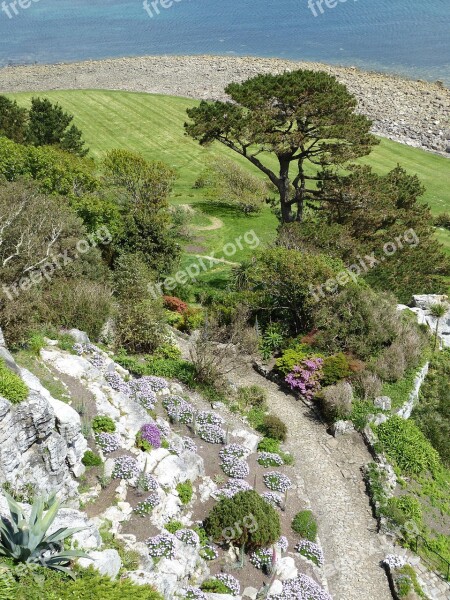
41,444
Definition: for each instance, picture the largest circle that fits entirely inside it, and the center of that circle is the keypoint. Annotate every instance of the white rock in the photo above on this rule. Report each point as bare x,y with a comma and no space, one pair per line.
247,439
342,428
106,562
250,592
79,336
206,488
383,402
173,469
276,588
87,539
285,568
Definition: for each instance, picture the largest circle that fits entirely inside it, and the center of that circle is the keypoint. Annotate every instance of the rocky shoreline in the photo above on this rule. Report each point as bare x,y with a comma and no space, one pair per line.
416,113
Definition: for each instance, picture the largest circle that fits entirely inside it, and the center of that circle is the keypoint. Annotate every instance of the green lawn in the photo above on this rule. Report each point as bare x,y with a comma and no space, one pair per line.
153,125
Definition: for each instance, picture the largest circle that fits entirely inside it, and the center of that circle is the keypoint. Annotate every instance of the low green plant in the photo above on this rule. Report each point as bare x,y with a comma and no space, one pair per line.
26,540
35,343
272,340
305,525
409,571
11,385
292,357
130,558
273,427
215,586
167,351
173,526
268,444
252,396
405,508
335,368
404,443
91,459
103,423
185,491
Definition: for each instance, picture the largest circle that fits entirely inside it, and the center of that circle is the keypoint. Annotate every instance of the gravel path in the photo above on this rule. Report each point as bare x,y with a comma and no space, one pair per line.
329,474
412,112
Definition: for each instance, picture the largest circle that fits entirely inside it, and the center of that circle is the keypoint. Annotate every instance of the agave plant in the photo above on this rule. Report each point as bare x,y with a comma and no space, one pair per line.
26,541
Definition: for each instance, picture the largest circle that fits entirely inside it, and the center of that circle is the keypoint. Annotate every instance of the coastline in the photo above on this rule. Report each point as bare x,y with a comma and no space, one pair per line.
413,112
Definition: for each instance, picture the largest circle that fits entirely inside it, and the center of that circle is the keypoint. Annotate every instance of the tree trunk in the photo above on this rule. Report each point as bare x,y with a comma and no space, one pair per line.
284,190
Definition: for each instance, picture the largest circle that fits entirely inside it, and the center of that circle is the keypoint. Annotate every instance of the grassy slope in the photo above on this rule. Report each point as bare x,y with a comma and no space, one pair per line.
153,125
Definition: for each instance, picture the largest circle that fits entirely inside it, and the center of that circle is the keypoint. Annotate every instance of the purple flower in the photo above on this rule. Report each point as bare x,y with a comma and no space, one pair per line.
150,433
277,481
125,467
231,582
305,378
162,546
234,467
214,434
301,588
108,442
311,551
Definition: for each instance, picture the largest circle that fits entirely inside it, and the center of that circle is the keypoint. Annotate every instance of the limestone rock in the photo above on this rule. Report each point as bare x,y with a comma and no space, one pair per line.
106,562
285,568
276,588
250,592
88,539
79,336
383,402
342,428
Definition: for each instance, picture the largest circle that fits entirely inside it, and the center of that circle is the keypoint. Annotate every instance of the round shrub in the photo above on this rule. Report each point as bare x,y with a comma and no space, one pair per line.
174,304
252,395
274,428
148,437
185,491
259,522
335,368
102,423
90,459
11,385
305,525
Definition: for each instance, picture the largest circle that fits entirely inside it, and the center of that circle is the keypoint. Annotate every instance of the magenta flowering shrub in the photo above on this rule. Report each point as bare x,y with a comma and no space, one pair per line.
305,377
301,588
311,551
150,433
108,442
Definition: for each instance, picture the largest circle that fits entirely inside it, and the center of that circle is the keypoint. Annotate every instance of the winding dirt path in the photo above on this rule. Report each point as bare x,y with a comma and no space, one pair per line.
328,472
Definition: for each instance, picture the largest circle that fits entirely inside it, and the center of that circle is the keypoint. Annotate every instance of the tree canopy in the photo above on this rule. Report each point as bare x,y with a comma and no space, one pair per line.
306,119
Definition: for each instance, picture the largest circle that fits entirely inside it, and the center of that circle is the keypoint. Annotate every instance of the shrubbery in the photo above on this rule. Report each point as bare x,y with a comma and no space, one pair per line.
273,427
305,525
11,385
404,443
185,491
91,459
103,423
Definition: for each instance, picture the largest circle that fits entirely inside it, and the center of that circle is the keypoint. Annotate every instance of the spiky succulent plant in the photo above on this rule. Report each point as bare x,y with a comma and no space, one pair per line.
26,541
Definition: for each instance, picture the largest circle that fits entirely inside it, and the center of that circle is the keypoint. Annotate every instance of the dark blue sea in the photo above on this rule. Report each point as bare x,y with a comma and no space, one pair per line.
410,37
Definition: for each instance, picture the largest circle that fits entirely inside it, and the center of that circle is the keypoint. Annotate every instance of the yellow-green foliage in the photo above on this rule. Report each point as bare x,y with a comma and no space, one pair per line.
11,386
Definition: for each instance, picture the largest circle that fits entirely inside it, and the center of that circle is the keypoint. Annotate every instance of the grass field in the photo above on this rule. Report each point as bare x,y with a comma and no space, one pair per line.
153,125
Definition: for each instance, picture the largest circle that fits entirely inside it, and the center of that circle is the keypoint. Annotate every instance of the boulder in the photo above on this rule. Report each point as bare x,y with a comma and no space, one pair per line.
383,402
79,336
250,592
285,568
276,588
88,539
106,562
342,428
175,469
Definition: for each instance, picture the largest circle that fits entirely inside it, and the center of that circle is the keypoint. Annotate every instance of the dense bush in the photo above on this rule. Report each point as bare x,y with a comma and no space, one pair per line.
175,304
292,357
259,522
368,385
38,583
215,586
273,427
91,459
404,443
334,368
336,401
103,423
305,525
432,413
11,385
